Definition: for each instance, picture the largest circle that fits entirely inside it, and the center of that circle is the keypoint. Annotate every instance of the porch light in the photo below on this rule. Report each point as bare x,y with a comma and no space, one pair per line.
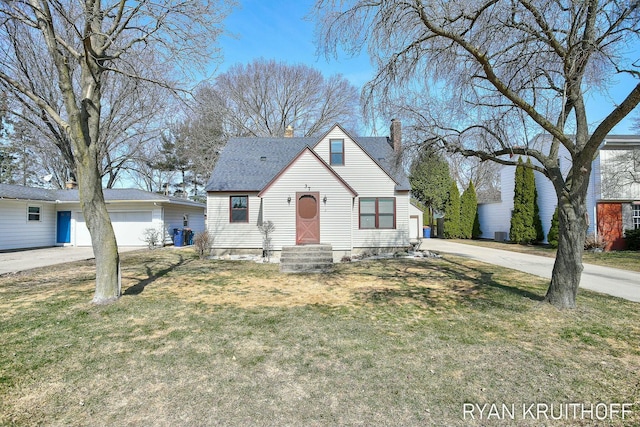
289,199
324,199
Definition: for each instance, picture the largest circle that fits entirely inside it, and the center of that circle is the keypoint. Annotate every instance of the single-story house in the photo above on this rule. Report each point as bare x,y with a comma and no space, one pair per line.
613,196
349,192
37,217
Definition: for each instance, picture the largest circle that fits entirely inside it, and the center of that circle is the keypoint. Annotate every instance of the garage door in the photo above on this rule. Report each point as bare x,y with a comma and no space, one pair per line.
128,227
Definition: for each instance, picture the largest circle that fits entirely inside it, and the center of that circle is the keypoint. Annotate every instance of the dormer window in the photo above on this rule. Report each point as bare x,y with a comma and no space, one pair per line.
336,155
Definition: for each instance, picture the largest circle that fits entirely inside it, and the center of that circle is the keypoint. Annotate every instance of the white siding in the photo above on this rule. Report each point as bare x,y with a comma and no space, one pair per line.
616,166
16,232
359,170
496,217
365,176
173,217
307,174
493,218
227,235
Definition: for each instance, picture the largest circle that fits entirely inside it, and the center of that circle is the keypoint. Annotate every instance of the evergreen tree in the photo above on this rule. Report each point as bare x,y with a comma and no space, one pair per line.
516,231
468,211
475,234
522,224
552,238
452,213
430,181
537,223
8,165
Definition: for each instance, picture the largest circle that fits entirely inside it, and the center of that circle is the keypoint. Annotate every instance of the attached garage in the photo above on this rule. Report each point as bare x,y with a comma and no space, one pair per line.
128,227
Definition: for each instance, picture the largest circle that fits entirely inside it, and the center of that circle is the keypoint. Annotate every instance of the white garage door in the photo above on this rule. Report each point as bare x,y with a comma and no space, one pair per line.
128,227
414,227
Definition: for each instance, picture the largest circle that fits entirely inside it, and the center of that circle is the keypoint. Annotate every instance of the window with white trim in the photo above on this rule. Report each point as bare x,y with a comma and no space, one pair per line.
33,213
336,154
636,217
185,220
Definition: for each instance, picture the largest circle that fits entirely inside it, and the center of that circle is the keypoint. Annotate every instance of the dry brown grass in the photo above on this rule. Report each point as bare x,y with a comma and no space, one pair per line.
396,342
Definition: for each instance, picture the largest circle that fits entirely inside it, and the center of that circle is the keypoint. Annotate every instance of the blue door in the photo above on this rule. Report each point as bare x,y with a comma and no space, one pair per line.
64,227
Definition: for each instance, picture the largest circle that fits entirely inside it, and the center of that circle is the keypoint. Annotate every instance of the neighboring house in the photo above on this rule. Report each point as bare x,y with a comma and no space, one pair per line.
37,217
349,192
613,196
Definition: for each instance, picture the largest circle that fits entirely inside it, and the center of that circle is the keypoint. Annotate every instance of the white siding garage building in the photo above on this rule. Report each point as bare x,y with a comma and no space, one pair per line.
35,217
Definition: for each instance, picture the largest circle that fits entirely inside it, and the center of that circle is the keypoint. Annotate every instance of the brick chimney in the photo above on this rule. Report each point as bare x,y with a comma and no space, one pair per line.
395,132
288,132
71,185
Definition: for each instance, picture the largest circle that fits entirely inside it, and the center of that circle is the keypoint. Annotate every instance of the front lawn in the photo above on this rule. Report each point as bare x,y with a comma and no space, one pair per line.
394,342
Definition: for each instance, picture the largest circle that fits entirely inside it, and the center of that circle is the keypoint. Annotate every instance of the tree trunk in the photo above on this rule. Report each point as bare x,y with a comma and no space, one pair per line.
103,239
567,269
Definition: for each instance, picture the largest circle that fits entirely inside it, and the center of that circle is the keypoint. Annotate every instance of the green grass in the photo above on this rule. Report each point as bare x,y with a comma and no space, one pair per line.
395,342
626,260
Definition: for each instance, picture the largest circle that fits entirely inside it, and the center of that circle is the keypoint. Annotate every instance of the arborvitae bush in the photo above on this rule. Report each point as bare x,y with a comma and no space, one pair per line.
468,211
552,237
632,238
452,213
537,222
525,219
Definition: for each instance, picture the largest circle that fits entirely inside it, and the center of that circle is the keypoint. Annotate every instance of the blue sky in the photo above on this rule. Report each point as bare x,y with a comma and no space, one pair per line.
278,30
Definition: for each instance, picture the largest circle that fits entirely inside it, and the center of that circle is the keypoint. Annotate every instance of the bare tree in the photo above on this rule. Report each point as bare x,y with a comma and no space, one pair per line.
87,41
131,114
264,97
480,76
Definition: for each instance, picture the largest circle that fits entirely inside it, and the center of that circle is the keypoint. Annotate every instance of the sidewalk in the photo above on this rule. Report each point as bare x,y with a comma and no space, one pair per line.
612,281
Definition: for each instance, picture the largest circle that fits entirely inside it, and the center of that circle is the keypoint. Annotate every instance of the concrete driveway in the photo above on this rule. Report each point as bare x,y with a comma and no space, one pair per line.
620,283
12,262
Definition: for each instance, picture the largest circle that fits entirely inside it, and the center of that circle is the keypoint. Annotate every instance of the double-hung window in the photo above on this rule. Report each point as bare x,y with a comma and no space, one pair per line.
636,217
378,213
239,209
33,213
336,148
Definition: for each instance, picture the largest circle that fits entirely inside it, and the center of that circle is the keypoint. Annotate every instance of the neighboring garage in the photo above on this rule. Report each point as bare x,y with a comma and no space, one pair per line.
128,227
35,217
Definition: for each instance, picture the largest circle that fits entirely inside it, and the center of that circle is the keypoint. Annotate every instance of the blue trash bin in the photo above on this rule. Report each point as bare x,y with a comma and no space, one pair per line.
178,237
426,232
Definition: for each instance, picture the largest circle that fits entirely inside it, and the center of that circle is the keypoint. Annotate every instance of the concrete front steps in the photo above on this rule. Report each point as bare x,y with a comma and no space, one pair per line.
306,259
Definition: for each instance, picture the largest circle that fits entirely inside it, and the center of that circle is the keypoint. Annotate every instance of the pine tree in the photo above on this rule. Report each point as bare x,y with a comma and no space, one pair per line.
452,213
430,181
468,211
552,238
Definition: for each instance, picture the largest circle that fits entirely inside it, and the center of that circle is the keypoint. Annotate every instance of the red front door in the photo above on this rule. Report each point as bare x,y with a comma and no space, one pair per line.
307,218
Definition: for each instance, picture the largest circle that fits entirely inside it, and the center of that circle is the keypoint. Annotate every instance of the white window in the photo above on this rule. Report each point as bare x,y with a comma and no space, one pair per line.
636,217
185,220
33,213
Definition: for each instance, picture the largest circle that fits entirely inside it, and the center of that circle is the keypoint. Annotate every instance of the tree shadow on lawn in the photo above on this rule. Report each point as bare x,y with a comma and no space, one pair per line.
139,287
461,286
